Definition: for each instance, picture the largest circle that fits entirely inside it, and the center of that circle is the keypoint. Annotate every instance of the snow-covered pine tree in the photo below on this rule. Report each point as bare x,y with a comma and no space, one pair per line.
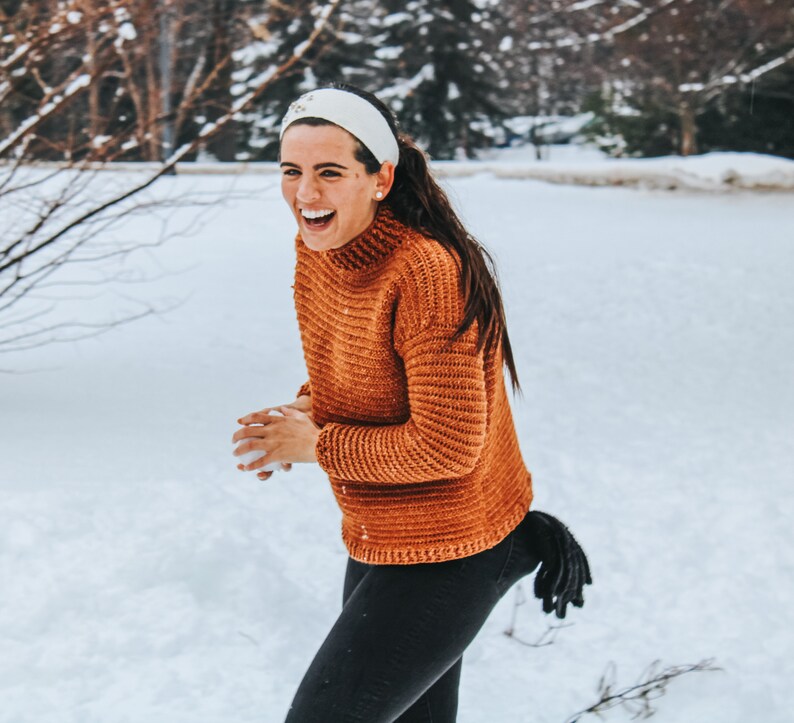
441,76
345,52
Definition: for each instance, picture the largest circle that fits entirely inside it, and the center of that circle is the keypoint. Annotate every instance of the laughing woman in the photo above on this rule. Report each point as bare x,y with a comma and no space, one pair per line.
406,409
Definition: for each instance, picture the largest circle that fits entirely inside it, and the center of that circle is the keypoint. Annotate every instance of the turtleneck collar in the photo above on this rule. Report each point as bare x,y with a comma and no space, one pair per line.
383,235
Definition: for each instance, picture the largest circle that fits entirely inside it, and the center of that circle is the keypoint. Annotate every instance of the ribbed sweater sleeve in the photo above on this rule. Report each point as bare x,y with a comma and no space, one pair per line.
446,432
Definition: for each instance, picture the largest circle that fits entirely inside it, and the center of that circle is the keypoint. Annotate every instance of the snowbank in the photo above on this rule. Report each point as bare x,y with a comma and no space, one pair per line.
580,166
709,172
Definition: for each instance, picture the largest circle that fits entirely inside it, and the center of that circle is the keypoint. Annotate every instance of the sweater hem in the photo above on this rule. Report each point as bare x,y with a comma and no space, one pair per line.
416,554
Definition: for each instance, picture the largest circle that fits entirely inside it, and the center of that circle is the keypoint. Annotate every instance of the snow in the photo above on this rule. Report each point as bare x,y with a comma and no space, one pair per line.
573,164
404,87
547,127
301,48
251,53
81,81
583,5
145,579
766,67
126,31
396,19
388,52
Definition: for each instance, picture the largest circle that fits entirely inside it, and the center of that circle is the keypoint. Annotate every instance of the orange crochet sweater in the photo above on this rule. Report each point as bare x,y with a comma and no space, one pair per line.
417,434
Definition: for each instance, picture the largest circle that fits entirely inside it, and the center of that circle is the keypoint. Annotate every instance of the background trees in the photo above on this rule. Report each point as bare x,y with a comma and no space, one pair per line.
686,59
134,80
442,75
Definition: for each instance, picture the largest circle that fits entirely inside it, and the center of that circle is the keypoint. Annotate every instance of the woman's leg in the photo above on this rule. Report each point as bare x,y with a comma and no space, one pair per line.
440,702
403,627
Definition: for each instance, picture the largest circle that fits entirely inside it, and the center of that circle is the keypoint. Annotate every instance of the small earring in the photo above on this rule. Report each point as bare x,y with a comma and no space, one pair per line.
379,194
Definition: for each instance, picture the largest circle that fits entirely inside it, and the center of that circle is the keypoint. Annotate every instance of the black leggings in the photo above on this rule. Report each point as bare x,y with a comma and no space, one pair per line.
395,652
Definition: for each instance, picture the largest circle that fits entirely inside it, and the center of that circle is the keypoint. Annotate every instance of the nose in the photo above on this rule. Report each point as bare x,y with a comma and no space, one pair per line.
308,190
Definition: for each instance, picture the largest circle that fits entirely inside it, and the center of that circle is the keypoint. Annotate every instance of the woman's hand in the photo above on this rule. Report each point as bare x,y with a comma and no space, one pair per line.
302,404
287,439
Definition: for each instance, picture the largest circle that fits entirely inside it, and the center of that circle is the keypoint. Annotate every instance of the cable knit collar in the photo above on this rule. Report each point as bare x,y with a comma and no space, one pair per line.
384,234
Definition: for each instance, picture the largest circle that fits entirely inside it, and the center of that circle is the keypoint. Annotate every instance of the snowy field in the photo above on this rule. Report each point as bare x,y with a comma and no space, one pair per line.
145,580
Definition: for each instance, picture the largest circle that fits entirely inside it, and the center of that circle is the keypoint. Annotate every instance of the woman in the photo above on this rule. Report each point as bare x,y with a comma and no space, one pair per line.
404,337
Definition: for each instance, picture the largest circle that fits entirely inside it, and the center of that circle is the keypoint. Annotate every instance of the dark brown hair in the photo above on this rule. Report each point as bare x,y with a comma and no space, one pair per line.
418,201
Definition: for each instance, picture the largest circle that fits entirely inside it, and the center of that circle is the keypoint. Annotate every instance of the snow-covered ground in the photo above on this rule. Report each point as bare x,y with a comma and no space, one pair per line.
145,579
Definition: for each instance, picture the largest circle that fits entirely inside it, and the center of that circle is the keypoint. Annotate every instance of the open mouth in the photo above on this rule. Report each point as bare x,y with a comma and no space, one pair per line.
317,220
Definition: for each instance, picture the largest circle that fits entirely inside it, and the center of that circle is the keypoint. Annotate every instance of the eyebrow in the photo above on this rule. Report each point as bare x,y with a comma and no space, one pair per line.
317,167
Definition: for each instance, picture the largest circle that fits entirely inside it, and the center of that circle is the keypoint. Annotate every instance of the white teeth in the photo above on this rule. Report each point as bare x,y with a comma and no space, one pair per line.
306,213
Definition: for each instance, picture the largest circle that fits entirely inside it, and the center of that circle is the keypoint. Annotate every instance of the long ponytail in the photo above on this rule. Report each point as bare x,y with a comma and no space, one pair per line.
418,201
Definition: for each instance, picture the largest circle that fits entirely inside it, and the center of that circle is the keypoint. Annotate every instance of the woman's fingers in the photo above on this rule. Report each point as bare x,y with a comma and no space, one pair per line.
248,442
256,464
242,420
256,427
285,467
261,417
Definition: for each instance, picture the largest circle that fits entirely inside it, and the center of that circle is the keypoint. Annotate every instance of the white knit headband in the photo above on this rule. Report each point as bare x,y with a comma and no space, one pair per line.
351,112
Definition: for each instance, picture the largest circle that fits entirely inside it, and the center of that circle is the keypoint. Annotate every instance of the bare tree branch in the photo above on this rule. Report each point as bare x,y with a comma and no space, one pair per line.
547,638
637,698
58,217
242,104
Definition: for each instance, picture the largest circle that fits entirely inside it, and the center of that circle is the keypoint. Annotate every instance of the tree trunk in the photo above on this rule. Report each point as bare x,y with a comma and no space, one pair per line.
688,129
166,57
153,97
219,98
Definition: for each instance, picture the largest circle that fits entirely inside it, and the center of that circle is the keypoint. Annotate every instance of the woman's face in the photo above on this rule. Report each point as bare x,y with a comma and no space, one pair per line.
328,190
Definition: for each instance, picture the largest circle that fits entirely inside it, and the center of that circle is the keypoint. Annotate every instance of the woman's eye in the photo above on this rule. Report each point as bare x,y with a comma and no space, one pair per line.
330,174
291,172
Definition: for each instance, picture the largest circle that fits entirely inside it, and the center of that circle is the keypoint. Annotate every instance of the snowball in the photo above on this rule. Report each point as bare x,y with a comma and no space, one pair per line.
255,454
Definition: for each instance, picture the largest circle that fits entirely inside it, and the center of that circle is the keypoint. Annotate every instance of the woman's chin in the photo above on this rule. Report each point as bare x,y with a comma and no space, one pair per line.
322,239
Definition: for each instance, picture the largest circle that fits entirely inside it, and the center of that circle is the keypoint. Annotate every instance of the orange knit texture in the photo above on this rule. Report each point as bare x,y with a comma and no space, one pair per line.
417,434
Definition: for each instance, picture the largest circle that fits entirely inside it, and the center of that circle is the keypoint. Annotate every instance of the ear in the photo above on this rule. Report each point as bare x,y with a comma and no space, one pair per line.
384,179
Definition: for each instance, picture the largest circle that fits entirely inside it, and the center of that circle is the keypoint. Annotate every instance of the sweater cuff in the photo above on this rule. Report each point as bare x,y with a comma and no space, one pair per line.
324,450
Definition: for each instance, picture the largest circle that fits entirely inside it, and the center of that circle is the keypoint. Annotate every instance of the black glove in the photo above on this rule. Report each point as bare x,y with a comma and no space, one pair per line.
564,570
